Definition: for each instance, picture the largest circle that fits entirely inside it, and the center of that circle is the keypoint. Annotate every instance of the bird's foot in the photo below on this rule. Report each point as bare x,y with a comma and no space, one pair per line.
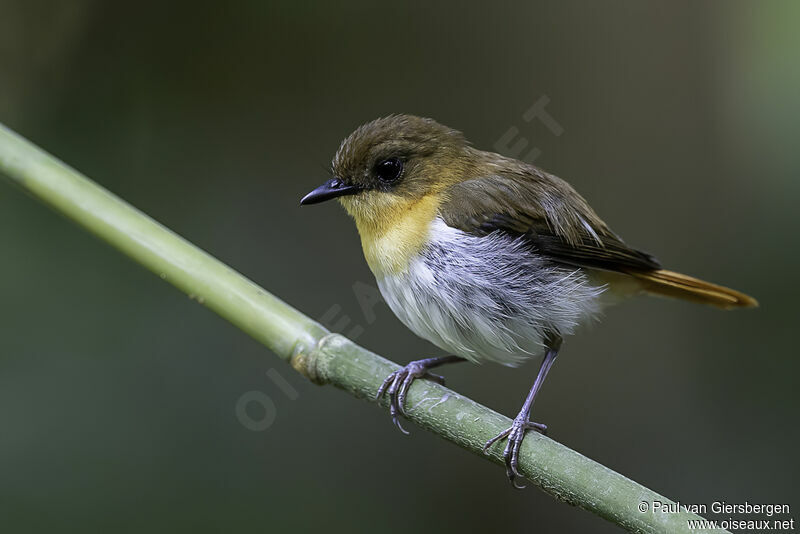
515,434
396,387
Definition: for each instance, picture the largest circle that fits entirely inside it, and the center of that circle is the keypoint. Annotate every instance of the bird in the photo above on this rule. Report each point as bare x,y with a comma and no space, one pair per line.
489,258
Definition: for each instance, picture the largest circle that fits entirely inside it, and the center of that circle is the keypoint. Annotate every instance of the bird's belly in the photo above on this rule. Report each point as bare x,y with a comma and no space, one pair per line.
488,298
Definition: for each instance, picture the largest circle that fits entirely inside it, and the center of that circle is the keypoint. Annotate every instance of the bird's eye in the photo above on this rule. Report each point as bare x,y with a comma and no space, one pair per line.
389,170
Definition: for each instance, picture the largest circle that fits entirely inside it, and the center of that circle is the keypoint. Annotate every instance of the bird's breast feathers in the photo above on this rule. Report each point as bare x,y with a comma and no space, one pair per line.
487,298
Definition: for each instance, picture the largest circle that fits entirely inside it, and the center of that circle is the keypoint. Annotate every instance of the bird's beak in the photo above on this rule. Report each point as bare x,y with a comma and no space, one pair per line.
333,188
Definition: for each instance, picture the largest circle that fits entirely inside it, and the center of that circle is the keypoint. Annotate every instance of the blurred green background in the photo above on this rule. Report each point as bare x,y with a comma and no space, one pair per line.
118,394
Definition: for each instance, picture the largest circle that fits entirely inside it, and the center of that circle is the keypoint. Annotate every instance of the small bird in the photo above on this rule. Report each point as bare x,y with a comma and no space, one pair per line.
489,258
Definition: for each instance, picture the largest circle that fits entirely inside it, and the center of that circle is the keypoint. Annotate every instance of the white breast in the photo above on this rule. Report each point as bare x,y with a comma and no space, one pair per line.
488,298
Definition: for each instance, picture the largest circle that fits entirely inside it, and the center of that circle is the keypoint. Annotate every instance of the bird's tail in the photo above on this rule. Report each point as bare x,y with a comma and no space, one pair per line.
681,286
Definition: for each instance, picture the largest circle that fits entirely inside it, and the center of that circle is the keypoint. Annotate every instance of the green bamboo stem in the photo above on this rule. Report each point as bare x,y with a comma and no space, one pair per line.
323,357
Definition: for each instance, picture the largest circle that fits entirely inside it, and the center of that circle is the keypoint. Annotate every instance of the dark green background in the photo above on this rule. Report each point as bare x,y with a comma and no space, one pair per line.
118,393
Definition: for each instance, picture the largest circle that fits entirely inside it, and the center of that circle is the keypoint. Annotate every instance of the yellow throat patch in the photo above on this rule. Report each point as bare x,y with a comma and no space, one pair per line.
393,230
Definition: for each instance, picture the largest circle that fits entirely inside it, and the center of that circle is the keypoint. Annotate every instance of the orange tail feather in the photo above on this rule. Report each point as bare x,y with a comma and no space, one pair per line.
681,286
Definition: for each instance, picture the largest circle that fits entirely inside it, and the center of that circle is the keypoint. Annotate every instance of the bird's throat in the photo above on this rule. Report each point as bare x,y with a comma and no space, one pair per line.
393,239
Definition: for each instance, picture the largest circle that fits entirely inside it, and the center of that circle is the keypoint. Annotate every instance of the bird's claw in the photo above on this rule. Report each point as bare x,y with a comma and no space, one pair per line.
396,386
515,434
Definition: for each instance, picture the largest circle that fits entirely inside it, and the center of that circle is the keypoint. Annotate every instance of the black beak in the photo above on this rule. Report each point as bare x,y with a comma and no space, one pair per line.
331,189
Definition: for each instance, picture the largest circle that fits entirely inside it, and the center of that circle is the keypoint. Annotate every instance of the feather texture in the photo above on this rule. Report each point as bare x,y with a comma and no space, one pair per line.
488,298
677,285
554,219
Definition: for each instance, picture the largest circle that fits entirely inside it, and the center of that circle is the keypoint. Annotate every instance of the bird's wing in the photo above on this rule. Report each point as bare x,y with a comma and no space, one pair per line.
547,213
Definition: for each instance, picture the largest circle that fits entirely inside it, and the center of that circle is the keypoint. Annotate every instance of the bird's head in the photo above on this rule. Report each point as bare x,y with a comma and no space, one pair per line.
389,165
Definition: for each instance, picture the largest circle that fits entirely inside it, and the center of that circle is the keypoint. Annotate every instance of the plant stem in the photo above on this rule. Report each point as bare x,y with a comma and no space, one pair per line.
323,357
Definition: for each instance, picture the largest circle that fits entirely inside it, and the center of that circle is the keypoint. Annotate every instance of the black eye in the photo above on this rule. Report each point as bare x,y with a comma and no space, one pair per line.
389,170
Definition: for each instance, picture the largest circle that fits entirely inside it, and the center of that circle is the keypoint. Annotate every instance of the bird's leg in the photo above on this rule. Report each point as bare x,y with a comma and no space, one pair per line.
396,384
522,423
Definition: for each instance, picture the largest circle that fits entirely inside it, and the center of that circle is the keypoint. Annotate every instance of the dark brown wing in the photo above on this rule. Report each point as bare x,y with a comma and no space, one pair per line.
547,212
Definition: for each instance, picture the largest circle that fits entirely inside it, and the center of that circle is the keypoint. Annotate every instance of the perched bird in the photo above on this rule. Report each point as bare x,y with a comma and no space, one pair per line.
489,258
